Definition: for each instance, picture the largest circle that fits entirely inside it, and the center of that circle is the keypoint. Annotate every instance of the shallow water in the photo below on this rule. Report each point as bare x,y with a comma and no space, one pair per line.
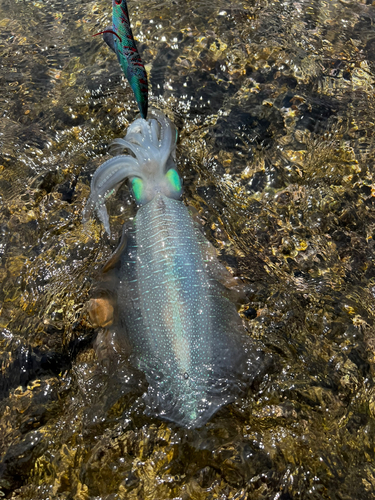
275,107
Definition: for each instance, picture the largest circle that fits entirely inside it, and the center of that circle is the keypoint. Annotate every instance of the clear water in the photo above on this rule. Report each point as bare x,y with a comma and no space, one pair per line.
274,102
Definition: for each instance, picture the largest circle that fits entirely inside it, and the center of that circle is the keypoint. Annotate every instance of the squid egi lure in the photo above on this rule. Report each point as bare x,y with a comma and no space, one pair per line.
119,38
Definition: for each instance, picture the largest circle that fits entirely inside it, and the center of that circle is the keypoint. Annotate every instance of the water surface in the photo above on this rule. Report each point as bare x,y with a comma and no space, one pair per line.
275,107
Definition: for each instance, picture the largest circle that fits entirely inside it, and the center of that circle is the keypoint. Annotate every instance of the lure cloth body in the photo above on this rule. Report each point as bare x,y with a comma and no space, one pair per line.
174,310
119,38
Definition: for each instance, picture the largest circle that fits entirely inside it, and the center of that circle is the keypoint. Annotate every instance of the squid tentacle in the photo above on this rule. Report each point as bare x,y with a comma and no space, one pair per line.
153,144
105,182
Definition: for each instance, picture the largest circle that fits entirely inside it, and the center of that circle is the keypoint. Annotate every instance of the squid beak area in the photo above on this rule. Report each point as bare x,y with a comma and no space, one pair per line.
101,312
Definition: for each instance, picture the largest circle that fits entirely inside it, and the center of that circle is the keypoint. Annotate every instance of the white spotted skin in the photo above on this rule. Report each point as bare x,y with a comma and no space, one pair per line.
184,332
185,335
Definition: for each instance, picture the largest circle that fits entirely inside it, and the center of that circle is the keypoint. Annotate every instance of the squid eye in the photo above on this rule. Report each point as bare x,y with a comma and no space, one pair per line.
137,187
174,180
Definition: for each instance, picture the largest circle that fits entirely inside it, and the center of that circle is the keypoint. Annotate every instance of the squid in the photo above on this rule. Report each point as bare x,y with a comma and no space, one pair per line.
176,319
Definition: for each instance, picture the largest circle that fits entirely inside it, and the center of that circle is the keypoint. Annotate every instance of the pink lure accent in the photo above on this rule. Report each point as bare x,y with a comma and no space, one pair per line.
108,31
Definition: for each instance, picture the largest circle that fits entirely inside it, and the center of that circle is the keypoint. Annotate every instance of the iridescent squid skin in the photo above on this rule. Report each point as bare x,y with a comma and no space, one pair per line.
175,311
119,38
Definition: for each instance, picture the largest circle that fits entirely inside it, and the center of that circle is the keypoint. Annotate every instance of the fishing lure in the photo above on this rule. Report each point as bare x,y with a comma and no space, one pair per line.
119,38
175,309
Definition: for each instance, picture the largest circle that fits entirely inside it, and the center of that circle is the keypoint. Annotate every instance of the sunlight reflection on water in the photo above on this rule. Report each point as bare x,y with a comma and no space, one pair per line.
275,109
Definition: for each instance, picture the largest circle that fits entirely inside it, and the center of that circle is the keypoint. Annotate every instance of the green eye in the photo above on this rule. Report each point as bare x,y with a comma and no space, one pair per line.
137,186
174,179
